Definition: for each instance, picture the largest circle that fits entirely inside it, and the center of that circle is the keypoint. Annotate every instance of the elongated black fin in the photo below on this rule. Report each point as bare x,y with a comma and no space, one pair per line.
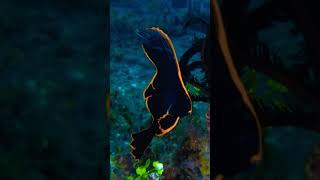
141,140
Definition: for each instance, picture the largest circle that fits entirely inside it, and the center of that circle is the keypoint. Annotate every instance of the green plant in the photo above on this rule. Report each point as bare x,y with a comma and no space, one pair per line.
270,96
193,90
147,172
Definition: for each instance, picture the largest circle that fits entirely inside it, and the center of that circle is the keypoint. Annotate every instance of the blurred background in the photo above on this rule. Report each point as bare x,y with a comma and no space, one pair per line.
54,77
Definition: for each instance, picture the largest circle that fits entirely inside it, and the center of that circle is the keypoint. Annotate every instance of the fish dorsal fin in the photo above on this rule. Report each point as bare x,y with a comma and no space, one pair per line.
223,42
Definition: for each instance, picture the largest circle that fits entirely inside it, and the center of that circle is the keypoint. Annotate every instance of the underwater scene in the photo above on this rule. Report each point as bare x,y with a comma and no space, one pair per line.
56,75
184,152
275,54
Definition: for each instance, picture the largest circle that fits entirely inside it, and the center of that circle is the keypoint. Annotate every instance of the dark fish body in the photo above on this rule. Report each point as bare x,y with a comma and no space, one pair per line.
166,96
236,130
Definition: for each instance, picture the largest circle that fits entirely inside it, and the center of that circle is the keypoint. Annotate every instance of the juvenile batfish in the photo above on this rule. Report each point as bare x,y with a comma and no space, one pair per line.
166,96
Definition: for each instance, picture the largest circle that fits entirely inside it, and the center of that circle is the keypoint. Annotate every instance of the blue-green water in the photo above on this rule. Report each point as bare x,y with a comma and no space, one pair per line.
131,72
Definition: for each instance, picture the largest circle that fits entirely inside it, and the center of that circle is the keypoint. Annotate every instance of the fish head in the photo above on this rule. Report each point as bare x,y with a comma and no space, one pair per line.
154,44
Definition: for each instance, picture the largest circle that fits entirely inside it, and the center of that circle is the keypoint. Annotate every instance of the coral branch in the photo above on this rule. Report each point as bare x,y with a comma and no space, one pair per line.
194,65
186,57
186,68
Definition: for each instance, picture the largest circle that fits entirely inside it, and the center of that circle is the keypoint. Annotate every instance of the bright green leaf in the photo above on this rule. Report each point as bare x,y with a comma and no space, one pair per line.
160,172
145,176
141,170
158,166
130,178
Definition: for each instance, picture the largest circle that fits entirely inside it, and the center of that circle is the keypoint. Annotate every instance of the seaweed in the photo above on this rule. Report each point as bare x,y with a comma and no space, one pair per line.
146,172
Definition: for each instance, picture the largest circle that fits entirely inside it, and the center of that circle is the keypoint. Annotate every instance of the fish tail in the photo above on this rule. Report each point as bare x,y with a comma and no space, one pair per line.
141,140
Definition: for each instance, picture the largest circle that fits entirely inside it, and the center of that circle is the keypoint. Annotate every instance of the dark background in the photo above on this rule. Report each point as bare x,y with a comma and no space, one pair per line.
54,79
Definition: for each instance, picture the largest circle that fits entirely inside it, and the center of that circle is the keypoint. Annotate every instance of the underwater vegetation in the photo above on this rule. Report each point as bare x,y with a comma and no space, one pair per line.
145,171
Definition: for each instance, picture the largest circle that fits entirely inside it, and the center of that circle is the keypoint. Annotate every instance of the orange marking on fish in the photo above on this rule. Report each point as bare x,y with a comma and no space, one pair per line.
165,131
222,38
